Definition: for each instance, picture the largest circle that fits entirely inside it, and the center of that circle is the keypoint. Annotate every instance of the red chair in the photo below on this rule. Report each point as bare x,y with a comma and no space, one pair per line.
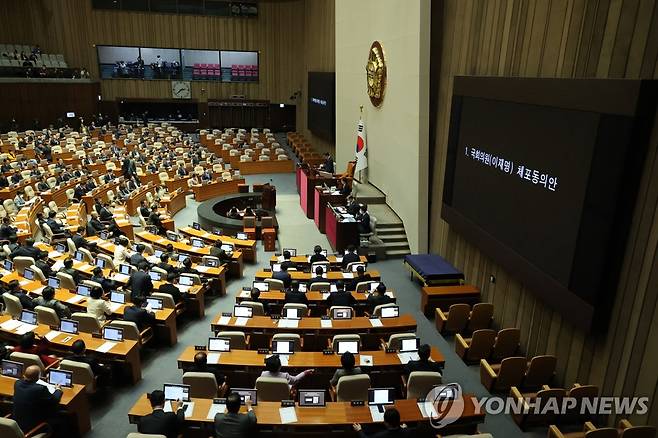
196,73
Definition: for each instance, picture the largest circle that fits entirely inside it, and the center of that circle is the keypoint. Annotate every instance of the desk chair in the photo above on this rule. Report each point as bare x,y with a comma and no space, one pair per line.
239,341
314,265
351,388
508,342
395,340
71,246
13,305
169,303
86,323
477,347
20,263
38,273
320,286
9,429
109,262
540,371
500,378
132,332
28,359
480,317
272,389
202,385
257,309
47,316
377,311
345,337
454,320
87,256
297,340
303,308
66,281
275,284
82,374
206,258
363,286
419,383
624,430
159,270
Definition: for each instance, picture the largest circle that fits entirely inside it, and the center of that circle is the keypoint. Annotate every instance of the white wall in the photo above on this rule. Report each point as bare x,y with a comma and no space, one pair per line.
398,130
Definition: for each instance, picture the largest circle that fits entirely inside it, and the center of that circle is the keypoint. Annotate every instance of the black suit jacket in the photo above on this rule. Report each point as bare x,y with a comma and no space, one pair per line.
140,284
356,280
26,251
80,241
33,404
317,258
136,259
341,299
288,264
139,316
172,290
160,422
419,365
283,276
6,231
350,258
296,297
364,223
234,425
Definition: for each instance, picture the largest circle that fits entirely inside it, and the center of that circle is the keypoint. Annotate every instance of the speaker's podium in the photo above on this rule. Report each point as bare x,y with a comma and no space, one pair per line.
308,178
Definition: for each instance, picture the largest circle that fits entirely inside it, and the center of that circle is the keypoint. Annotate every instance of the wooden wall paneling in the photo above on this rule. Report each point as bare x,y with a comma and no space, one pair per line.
565,38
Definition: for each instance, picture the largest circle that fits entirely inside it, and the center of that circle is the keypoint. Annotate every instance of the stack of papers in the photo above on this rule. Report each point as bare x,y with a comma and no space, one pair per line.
107,346
75,299
241,321
375,414
213,358
188,410
215,409
24,282
365,360
224,320
406,357
288,323
59,264
114,306
348,275
51,388
203,268
11,325
122,278
52,335
288,415
376,322
427,409
24,328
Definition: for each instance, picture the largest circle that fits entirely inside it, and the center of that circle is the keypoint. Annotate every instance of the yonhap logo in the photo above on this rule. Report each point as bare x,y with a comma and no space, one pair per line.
447,404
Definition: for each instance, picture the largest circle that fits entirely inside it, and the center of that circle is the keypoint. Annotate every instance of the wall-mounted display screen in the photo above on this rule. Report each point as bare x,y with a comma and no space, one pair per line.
321,119
118,62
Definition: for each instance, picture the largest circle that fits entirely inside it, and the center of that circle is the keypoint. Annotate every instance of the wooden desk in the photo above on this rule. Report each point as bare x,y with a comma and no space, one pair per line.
216,189
334,417
243,367
126,352
132,203
302,261
443,297
315,335
307,181
248,247
331,275
100,193
321,199
26,220
58,194
74,400
10,192
271,166
175,202
340,233
235,268
176,183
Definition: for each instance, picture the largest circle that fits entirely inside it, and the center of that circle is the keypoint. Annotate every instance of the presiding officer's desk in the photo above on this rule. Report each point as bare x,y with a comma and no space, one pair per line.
125,352
335,417
316,331
74,400
243,367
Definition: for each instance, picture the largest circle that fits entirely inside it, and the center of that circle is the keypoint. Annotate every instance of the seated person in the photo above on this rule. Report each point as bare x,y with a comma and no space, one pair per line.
138,314
287,262
283,275
80,241
68,269
423,363
341,297
13,244
106,283
19,199
121,253
28,344
160,422
378,297
348,369
317,255
233,424
27,250
360,277
144,210
94,226
79,349
187,267
273,369
33,404
97,306
14,288
172,289
164,264
47,299
350,257
363,220
138,256
41,262
6,229
201,366
319,272
293,295
393,427
255,297
55,226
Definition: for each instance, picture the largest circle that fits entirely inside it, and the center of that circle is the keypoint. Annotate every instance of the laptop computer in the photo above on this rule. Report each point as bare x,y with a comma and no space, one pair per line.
196,226
174,391
61,377
241,236
246,393
155,276
283,347
12,368
83,290
8,265
197,243
28,274
341,313
185,280
61,248
312,398
292,251
390,312
211,263
103,235
100,263
219,344
292,313
113,334
262,286
227,247
79,256
409,345
242,311
381,397
117,297
68,326
351,346
29,317
53,282
125,269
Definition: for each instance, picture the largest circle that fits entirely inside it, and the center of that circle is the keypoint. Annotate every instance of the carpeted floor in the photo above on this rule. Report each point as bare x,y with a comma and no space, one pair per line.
110,409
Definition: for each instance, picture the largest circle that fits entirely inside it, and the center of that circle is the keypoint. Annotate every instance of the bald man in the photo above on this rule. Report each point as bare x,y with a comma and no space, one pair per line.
33,403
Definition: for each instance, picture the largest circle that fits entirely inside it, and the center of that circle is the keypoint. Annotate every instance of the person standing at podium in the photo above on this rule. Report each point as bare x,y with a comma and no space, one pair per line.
328,165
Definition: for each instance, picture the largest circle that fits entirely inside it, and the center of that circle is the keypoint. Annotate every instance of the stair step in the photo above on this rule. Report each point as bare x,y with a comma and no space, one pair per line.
396,245
400,236
389,225
397,252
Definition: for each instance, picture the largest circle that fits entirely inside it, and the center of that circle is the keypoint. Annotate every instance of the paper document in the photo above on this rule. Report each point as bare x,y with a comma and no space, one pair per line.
224,320
288,415
39,290
24,328
59,264
24,282
241,322
325,295
51,388
427,409
213,358
214,410
333,288
339,259
203,269
10,325
245,294
114,306
348,275
189,408
406,357
284,358
52,335
121,278
54,254
75,299
365,360
288,323
325,323
376,322
375,414
107,346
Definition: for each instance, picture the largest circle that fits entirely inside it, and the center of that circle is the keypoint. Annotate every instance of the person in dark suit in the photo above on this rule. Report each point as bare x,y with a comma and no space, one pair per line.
14,288
283,275
361,276
352,206
6,229
55,226
68,269
27,250
378,297
79,349
393,427
317,255
187,267
286,261
255,297
423,363
164,264
42,263
341,297
144,210
140,283
33,403
364,220
319,271
232,424
138,314
90,185
328,165
350,257
293,295
42,185
79,191
106,283
104,212
80,241
181,171
160,422
138,256
200,365
171,288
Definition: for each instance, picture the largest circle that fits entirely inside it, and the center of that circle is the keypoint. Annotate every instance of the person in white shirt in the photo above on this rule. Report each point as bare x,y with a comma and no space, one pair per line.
121,253
97,306
18,200
273,369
